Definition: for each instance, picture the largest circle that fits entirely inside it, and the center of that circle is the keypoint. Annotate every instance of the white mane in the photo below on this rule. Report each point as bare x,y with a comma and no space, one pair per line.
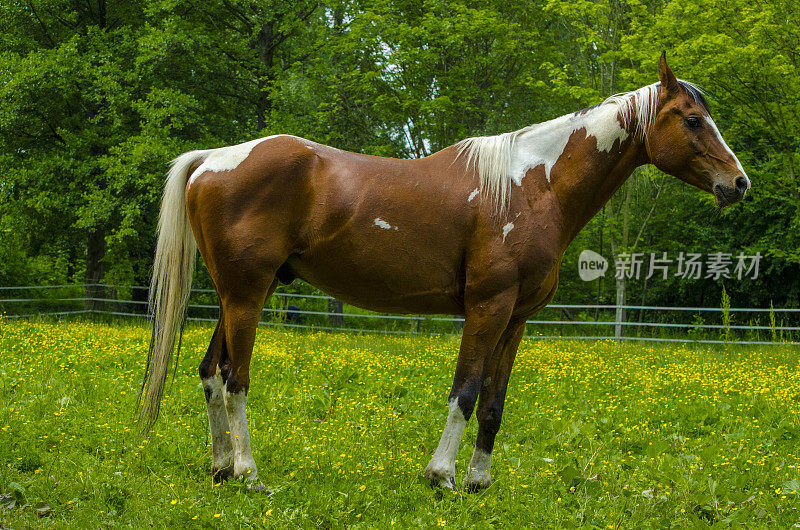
505,158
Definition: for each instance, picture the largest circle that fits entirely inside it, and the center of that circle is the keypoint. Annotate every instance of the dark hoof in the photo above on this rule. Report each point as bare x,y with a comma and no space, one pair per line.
221,475
474,487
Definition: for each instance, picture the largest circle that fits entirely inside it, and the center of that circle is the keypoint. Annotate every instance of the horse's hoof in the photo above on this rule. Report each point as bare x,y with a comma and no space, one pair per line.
443,483
474,487
221,475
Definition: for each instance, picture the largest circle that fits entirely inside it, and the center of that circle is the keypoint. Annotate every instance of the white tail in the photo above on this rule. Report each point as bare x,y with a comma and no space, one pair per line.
169,290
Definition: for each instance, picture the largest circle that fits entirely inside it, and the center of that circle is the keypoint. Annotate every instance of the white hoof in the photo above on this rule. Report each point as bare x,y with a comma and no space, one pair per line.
246,472
441,478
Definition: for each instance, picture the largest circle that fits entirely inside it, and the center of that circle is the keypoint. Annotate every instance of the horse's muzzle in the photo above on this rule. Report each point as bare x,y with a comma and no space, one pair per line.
727,195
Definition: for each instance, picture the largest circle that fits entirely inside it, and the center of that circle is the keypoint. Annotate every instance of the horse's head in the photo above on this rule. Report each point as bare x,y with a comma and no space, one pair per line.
684,141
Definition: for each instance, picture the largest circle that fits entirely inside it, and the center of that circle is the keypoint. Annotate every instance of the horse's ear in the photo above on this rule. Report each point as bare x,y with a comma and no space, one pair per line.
669,82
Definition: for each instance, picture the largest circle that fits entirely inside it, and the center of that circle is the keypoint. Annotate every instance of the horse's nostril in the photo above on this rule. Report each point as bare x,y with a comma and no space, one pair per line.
741,184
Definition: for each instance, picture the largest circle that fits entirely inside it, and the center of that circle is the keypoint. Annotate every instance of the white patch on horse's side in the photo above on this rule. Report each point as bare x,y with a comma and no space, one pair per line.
506,229
221,448
725,144
443,463
243,463
479,471
473,194
228,158
382,224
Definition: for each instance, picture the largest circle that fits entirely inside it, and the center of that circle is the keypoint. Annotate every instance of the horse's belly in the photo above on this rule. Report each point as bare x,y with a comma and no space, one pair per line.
383,279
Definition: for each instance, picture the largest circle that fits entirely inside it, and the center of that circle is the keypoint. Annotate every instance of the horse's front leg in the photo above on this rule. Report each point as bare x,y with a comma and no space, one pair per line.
484,323
490,406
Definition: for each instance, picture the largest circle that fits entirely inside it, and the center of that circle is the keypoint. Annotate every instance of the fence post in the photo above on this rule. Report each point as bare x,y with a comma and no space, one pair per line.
94,291
619,317
335,313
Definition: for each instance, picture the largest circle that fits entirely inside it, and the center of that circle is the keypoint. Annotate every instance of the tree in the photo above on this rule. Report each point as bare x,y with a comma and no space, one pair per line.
407,79
66,96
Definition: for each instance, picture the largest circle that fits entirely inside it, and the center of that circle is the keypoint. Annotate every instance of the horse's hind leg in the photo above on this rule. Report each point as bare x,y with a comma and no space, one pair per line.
242,312
221,448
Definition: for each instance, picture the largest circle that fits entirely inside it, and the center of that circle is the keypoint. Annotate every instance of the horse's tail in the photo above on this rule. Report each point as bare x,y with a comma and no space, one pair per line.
169,289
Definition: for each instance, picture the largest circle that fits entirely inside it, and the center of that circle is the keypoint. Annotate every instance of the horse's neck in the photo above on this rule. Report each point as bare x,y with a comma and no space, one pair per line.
583,191
584,170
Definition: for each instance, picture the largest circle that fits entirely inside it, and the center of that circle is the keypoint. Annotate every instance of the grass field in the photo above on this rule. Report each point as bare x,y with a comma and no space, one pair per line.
594,435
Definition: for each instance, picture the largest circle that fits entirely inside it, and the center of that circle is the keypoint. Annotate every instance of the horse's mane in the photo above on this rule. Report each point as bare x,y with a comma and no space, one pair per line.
492,155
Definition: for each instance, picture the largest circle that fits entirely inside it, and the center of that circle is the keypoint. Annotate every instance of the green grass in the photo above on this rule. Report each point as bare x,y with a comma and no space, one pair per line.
594,435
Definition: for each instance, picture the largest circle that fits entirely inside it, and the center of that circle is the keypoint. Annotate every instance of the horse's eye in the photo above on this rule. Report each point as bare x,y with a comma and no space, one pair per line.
693,122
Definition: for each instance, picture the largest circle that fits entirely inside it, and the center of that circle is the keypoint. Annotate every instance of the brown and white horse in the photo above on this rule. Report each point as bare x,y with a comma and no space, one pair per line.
477,229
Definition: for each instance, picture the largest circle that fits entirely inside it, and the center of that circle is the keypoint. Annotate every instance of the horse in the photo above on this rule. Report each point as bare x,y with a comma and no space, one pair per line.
477,229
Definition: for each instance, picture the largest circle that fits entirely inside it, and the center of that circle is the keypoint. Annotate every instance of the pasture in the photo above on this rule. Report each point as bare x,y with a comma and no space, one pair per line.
594,434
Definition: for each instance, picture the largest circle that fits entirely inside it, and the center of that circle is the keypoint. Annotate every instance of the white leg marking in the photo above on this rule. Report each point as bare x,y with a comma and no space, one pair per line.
221,448
244,465
479,473
441,469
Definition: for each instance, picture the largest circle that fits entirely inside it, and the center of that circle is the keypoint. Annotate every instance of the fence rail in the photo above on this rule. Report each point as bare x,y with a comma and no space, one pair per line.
318,311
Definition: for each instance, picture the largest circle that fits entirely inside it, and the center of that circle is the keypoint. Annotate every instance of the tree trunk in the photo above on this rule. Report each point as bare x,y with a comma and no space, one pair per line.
102,13
641,311
266,52
600,279
95,269
620,313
